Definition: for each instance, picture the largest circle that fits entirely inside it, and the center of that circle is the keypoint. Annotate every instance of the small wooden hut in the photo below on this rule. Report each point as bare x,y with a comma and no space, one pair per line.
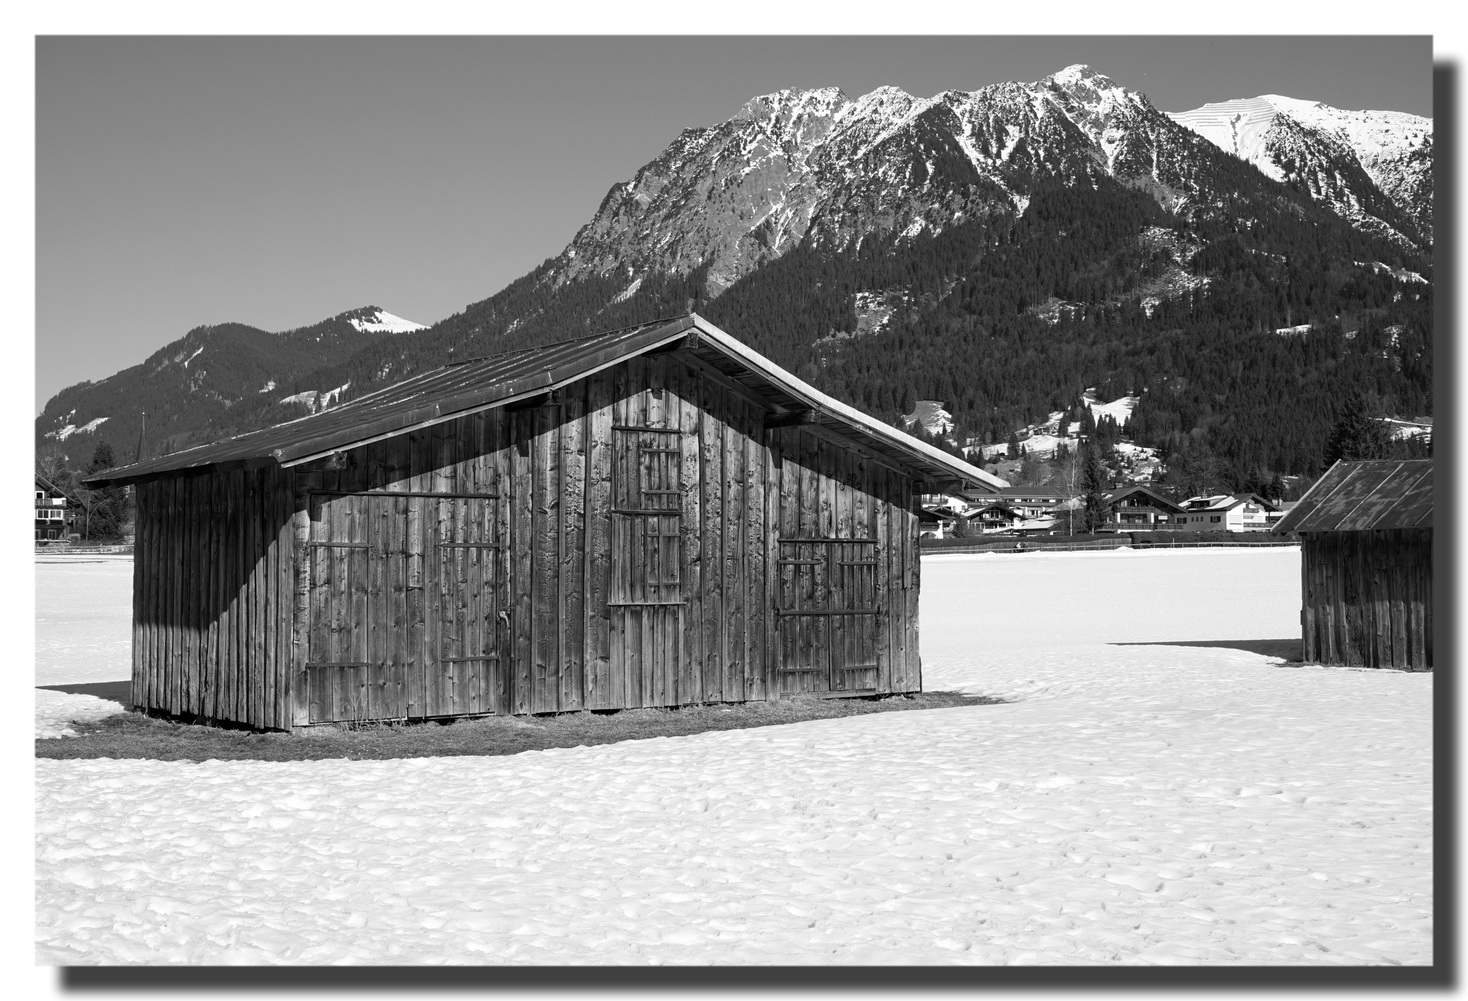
1366,564
654,516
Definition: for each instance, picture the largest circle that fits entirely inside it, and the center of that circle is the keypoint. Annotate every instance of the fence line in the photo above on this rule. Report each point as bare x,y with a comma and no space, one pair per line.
89,550
1074,547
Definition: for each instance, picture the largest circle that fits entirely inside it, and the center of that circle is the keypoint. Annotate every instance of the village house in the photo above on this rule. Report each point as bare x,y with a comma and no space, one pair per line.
995,516
1225,513
936,522
655,516
1036,502
56,512
1139,507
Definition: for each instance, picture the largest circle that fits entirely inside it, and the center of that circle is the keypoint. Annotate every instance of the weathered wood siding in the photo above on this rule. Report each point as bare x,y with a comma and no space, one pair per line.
212,596
1367,598
845,581
639,539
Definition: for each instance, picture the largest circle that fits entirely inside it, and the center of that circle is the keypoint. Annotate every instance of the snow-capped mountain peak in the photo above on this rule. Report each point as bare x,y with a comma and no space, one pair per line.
816,165
823,101
1323,149
373,319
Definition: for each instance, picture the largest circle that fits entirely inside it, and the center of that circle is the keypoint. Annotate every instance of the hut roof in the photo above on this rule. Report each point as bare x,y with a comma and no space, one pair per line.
463,388
1357,496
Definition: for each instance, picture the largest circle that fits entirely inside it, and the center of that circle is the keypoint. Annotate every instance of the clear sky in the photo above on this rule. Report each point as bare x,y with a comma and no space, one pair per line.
276,181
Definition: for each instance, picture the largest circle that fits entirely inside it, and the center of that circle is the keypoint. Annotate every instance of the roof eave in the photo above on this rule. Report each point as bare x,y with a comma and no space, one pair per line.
940,466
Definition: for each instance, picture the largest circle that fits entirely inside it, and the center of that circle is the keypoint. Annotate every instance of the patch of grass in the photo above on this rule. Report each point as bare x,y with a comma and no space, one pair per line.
133,735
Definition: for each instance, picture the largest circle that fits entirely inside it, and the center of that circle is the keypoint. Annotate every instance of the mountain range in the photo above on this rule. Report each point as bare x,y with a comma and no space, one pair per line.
996,250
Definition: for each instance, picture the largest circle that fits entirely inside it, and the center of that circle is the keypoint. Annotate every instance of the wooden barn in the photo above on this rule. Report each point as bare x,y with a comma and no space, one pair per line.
1366,564
654,516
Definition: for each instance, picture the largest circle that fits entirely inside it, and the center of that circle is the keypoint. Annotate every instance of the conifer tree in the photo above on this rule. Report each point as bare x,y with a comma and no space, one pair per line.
107,506
1356,434
1093,479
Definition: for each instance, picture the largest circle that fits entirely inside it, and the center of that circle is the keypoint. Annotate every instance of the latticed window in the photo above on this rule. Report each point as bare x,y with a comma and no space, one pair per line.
647,516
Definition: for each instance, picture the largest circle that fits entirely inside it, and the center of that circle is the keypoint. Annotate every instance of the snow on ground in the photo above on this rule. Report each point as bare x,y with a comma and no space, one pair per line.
1136,804
54,710
84,617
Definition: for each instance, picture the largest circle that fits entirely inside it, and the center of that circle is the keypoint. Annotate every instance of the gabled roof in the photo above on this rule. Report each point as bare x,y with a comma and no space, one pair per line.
1357,496
469,387
56,491
1227,502
1117,496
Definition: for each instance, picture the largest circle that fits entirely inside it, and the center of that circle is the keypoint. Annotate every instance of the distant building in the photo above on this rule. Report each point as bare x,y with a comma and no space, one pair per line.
1225,513
1035,502
56,510
935,523
1139,507
997,516
1366,564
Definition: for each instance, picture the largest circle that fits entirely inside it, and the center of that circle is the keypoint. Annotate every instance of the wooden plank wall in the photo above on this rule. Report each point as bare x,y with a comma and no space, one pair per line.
826,489
236,648
213,590
1367,598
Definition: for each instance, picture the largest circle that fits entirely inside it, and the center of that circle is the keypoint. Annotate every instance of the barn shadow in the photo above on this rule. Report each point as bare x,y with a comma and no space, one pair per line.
117,691
1291,650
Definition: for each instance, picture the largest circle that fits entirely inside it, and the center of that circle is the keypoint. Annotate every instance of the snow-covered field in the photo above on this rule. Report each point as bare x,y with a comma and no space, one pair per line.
1142,801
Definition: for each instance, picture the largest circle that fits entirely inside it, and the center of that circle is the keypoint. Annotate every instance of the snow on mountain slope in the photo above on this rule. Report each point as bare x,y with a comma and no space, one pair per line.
1289,139
931,416
381,321
1119,410
818,165
1237,127
61,434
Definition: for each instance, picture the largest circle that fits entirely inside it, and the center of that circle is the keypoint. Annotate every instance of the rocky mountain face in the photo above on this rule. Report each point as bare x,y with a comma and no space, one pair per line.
821,167
1373,168
201,376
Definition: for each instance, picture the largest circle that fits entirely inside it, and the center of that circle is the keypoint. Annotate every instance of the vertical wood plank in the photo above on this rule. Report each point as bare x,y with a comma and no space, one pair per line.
734,555
301,599
756,551
915,570
888,617
522,546
417,540
843,627
811,630
572,587
636,686
690,675
787,526
178,531
596,628
545,598
711,471
140,577
213,586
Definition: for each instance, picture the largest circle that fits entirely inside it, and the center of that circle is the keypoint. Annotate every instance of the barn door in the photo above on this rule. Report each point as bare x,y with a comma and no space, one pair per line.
646,596
351,673
826,615
468,675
